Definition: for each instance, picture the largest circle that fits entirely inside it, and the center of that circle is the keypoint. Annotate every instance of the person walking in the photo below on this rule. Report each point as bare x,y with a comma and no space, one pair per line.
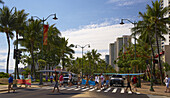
78,82
96,81
10,82
51,78
128,84
134,82
167,84
23,80
70,79
61,79
107,81
56,82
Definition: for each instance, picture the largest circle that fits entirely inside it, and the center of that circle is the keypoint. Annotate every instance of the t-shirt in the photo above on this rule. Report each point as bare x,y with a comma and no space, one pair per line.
134,80
102,78
10,80
61,78
166,80
29,76
51,77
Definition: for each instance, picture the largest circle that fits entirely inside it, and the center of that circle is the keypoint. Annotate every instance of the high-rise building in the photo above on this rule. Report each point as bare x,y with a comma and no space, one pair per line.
120,44
107,59
166,43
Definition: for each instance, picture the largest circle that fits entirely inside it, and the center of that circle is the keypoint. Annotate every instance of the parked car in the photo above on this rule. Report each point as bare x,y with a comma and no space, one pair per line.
74,77
117,80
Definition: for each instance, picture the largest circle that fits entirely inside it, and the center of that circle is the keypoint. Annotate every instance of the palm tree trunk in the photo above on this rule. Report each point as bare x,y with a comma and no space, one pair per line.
8,40
17,57
153,54
160,65
33,66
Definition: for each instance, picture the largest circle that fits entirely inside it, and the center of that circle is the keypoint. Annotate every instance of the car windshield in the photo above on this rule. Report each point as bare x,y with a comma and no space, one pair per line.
117,76
66,75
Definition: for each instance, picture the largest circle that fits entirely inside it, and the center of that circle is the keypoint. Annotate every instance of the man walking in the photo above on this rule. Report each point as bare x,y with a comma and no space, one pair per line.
56,82
167,84
134,82
128,84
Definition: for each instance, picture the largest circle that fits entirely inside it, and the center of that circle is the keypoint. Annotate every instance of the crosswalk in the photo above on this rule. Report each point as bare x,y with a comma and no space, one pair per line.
90,89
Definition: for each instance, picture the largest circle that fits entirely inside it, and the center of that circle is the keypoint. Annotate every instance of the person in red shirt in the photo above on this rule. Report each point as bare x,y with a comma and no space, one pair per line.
61,79
134,82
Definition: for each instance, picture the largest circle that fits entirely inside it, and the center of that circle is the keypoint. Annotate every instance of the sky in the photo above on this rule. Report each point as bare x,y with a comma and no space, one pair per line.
94,22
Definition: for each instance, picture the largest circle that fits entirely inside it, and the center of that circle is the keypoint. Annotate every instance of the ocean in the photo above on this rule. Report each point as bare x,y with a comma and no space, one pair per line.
4,70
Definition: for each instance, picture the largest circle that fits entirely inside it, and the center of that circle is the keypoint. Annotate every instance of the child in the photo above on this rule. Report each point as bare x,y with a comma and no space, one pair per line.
78,82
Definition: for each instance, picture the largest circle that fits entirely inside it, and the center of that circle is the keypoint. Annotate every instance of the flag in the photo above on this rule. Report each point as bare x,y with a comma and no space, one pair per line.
45,35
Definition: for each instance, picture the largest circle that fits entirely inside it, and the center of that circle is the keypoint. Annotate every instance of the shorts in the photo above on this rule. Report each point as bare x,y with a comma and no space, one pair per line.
96,82
78,83
56,84
9,85
61,82
167,85
103,83
128,84
107,82
135,84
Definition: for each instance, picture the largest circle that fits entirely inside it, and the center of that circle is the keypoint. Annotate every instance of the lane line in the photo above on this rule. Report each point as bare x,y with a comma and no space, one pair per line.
114,91
107,90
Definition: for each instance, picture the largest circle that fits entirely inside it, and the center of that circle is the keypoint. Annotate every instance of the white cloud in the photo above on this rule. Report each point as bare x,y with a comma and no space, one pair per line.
99,36
125,2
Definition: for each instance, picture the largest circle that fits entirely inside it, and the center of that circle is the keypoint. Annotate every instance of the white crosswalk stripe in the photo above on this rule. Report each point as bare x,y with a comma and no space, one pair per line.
98,91
122,91
85,89
77,89
92,89
71,88
107,90
114,91
129,92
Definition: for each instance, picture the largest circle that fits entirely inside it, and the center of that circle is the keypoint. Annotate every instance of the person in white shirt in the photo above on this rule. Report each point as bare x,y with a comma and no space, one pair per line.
167,84
96,81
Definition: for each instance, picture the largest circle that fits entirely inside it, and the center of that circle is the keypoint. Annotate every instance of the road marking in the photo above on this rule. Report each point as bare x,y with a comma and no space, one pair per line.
107,90
77,89
114,91
98,91
92,89
122,91
85,89
129,92
70,88
138,93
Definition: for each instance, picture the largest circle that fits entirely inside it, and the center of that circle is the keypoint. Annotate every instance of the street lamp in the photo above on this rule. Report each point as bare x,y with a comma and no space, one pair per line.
82,47
43,20
134,23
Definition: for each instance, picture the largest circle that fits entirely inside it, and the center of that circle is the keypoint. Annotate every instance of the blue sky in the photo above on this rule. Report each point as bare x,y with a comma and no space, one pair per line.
94,22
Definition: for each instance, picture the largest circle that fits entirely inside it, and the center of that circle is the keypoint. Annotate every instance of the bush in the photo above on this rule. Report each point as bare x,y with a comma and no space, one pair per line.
4,75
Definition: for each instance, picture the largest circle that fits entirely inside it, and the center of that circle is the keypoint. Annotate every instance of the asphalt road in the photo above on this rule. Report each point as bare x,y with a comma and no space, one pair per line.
68,92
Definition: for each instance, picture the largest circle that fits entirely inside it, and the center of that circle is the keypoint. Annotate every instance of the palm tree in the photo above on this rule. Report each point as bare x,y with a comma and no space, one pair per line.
95,57
153,24
1,2
65,50
7,24
21,17
31,38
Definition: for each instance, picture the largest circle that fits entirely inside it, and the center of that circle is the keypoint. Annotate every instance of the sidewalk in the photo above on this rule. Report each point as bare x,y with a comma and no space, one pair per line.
158,89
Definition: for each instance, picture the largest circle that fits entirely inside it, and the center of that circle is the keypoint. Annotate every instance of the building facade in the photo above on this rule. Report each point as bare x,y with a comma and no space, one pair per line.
114,48
107,59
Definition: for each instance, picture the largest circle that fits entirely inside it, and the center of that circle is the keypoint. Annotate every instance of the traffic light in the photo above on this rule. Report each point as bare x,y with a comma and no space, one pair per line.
19,54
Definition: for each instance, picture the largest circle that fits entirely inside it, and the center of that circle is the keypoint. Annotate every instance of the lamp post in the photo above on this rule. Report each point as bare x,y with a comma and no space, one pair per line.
82,47
43,20
134,23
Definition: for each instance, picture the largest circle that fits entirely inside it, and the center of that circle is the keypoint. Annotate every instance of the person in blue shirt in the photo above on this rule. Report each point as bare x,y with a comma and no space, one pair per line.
10,82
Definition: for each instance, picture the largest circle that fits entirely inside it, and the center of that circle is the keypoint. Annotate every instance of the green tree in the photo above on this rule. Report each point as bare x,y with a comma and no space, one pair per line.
7,24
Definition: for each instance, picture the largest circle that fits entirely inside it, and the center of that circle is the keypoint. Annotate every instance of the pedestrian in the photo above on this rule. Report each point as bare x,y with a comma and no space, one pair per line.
96,81
46,78
107,80
78,82
56,82
10,82
61,79
87,81
167,84
23,80
51,78
70,79
134,82
128,84
102,80
29,77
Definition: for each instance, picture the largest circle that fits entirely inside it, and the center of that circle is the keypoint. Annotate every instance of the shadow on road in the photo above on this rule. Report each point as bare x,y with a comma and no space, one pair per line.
63,93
